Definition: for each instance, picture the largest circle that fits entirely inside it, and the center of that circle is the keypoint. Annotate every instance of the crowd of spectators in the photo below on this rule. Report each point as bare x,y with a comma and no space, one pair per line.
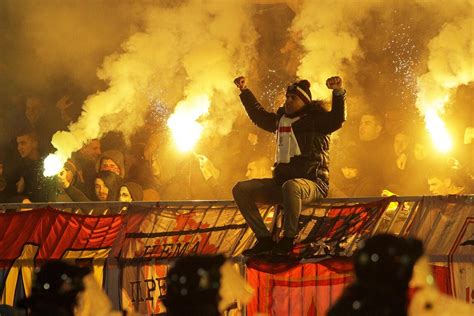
399,161
368,157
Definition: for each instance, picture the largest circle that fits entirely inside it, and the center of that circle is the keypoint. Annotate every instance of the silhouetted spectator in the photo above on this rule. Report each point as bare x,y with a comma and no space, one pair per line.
3,182
203,286
386,268
55,289
372,149
259,168
140,171
61,289
66,177
397,164
42,119
383,268
446,180
66,109
28,178
85,161
419,162
7,310
349,180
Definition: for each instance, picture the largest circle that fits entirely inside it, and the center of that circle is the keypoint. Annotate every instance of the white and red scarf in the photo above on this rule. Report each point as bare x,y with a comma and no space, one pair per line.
287,145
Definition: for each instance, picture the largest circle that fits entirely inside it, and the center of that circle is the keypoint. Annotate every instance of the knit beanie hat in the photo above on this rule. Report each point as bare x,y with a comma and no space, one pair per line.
301,89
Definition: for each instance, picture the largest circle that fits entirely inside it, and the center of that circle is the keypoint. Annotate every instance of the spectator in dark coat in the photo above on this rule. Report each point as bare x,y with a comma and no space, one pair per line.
301,172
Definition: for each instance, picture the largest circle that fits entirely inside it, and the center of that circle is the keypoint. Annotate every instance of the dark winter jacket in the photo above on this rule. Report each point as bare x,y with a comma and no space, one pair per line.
312,131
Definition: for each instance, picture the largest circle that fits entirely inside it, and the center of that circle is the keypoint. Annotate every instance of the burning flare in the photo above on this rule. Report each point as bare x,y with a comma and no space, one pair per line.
450,65
438,131
53,165
183,122
431,102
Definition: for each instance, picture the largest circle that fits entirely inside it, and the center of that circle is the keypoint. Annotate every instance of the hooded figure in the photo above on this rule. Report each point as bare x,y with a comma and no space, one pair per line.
111,160
66,178
131,191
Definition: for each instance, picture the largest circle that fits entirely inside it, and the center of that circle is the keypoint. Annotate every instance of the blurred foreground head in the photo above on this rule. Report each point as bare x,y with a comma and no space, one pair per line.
383,268
55,289
387,261
62,289
204,285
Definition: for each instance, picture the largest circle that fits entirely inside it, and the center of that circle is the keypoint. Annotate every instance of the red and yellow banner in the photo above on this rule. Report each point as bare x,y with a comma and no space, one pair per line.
29,238
130,252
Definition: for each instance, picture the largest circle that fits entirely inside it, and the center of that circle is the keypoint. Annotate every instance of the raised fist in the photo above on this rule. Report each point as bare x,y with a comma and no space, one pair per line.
334,83
240,83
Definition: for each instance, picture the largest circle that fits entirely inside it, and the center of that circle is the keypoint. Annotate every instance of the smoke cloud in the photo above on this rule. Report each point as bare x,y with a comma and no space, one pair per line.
186,50
45,41
330,38
380,49
449,65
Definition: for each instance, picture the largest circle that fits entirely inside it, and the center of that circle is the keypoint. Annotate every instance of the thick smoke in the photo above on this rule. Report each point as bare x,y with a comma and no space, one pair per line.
217,38
45,41
380,48
450,65
330,38
196,47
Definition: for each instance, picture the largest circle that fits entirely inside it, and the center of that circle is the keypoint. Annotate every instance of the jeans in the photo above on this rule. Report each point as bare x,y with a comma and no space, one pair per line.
292,194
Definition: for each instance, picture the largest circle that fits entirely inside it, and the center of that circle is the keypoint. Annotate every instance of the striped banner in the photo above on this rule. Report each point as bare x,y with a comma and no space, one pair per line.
130,249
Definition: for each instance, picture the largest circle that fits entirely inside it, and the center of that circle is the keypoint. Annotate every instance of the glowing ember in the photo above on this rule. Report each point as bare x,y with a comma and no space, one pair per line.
183,122
439,133
52,165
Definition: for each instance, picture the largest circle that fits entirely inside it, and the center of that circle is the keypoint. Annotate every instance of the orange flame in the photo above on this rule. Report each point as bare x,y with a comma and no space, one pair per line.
438,131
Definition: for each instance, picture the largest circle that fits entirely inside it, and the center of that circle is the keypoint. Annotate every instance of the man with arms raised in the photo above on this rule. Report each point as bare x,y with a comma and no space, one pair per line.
300,172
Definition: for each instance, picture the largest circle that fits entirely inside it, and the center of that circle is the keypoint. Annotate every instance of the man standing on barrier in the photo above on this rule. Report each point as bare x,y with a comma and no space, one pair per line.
301,173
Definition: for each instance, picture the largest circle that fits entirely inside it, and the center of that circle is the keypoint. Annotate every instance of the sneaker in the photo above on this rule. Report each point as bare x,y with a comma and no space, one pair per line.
263,245
283,247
